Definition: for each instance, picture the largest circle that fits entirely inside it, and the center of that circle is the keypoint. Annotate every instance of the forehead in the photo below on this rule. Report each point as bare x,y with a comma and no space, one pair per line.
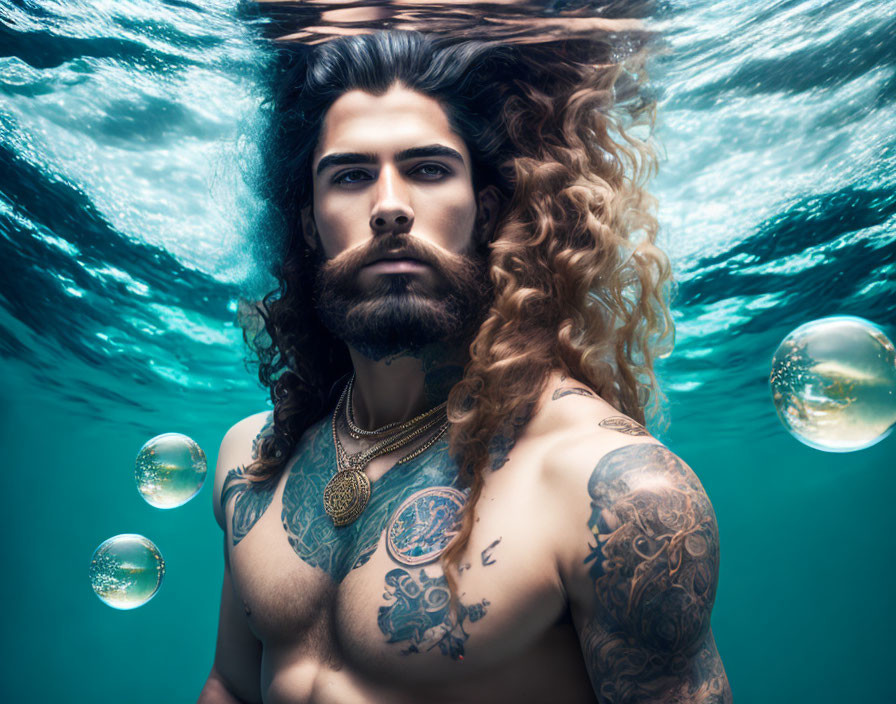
400,118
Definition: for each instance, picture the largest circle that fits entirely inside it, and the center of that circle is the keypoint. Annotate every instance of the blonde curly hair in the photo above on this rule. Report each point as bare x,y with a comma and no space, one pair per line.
579,283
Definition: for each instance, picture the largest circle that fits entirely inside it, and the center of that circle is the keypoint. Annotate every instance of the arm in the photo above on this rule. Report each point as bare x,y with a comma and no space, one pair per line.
236,671
235,674
642,581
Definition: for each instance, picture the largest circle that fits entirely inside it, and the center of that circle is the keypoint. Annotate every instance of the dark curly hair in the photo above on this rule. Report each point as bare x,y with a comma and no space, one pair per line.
578,283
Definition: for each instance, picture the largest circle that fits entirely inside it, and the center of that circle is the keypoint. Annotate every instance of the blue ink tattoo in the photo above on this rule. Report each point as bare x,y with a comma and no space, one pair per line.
311,533
420,614
252,500
424,524
487,558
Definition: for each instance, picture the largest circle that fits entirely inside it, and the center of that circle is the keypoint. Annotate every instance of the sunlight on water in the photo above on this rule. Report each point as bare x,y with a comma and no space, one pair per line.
128,131
170,470
126,571
834,384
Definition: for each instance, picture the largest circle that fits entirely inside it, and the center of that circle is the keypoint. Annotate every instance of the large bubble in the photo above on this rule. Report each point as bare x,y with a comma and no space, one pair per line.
170,470
834,383
126,571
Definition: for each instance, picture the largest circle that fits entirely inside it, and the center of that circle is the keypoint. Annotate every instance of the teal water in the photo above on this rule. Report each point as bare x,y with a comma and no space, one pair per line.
122,258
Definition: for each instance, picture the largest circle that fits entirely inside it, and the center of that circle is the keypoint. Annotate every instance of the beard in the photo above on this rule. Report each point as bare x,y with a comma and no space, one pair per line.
400,313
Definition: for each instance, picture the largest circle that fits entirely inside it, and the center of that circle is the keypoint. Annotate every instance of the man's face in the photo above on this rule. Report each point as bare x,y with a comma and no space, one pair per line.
395,222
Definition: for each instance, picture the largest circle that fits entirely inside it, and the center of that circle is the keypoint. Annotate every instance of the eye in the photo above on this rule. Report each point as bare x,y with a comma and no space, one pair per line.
431,172
352,176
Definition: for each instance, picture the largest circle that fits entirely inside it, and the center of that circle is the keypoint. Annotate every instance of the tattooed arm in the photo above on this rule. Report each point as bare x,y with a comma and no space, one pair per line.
642,580
236,671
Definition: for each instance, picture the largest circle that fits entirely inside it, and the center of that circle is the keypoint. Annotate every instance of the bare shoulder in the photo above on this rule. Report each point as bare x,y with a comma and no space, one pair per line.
576,434
238,448
569,406
572,427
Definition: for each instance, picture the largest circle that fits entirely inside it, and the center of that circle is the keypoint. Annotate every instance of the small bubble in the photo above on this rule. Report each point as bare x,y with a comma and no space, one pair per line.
126,571
170,470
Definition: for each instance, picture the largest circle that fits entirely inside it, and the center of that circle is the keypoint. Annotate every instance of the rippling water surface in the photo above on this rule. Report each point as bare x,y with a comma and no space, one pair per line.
123,256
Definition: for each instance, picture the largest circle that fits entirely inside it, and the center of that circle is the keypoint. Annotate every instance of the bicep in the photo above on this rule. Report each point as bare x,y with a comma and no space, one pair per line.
645,582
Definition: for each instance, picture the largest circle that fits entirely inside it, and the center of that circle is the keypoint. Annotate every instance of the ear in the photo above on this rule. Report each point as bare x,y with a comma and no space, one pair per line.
309,228
488,205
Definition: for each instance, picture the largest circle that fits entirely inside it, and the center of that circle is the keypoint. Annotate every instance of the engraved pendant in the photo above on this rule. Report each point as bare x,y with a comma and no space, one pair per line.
346,496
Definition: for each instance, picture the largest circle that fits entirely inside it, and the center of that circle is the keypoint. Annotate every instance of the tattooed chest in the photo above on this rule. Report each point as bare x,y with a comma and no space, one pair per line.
337,550
393,618
390,619
373,592
413,512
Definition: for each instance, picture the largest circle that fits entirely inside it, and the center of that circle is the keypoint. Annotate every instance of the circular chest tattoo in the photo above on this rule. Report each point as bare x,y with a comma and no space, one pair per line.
424,524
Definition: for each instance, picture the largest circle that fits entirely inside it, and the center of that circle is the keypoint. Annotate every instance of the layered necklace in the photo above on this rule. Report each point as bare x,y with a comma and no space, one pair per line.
348,491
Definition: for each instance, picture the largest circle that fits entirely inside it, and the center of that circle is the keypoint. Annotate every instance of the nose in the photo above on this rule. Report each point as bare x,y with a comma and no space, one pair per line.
391,213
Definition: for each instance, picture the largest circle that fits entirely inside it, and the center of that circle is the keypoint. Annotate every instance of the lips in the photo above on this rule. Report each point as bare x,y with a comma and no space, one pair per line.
395,257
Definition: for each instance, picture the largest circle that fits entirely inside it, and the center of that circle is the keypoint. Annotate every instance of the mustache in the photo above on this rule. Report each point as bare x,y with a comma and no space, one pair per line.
347,265
401,245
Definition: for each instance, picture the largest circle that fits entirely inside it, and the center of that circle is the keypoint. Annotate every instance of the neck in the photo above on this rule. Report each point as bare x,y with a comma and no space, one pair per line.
399,387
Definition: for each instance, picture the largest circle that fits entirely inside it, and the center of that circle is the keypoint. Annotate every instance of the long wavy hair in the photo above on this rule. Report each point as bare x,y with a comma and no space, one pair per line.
579,284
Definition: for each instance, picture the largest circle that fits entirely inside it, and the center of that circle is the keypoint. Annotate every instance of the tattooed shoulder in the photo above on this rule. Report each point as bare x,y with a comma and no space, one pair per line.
652,569
238,450
252,499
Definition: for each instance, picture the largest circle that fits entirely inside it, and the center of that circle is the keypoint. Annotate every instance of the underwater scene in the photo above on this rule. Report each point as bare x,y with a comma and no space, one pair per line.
125,263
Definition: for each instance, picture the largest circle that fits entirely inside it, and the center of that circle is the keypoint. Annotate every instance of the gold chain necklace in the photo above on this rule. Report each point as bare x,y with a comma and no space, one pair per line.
348,491
358,433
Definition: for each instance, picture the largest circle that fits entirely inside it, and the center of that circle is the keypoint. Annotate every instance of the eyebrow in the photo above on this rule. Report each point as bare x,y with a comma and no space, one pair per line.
344,158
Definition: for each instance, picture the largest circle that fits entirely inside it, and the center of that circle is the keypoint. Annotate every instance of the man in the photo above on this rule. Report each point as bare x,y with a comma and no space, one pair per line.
458,228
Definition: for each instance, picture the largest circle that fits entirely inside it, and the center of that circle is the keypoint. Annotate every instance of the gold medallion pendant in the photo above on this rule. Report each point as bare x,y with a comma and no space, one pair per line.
348,491
346,496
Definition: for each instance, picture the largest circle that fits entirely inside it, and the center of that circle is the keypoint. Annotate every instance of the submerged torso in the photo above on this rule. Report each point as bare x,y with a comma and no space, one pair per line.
361,613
